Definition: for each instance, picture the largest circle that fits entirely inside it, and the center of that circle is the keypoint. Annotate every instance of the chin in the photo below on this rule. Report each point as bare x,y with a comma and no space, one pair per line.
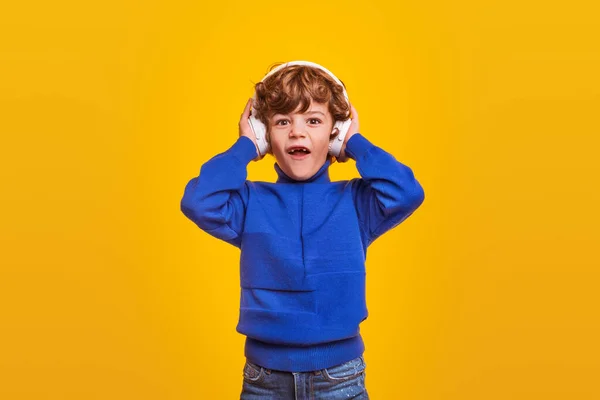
300,175
298,171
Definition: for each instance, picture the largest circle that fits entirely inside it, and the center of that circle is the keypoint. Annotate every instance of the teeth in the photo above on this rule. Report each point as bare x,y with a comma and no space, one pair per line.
298,150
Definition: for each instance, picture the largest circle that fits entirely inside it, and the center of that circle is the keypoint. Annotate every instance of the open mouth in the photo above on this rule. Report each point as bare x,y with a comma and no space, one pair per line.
299,153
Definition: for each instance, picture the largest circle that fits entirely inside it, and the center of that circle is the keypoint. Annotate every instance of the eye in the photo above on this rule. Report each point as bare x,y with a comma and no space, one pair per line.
315,119
281,120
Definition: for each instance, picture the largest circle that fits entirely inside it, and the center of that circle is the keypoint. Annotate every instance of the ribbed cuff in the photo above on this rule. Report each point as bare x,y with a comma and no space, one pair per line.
357,146
244,149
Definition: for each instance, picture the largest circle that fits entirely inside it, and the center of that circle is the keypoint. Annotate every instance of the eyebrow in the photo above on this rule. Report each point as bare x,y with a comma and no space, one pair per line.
308,112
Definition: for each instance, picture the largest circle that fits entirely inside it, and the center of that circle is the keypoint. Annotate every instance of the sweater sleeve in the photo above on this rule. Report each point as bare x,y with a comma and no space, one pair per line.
387,193
216,200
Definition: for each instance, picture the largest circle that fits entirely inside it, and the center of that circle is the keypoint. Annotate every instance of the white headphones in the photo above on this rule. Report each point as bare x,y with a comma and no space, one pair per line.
259,129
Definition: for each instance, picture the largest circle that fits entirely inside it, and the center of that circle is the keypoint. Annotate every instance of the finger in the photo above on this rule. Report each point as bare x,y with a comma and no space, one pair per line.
246,112
354,112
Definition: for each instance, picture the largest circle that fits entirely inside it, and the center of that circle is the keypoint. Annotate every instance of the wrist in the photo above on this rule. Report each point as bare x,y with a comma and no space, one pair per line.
245,149
357,146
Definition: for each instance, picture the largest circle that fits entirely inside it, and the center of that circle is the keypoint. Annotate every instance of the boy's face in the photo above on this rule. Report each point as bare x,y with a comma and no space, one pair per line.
310,130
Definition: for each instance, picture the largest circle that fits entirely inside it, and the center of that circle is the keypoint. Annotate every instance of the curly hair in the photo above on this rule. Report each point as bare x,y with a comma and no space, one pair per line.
294,85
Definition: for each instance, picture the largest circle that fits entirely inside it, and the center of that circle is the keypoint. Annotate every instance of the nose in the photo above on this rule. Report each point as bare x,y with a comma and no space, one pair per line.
298,129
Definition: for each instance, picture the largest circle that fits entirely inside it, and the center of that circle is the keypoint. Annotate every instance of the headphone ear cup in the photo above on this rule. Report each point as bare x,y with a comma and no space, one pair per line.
335,144
268,141
334,133
260,131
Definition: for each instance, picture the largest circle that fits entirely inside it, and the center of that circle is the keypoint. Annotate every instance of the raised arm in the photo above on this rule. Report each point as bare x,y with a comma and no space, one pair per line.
216,200
387,193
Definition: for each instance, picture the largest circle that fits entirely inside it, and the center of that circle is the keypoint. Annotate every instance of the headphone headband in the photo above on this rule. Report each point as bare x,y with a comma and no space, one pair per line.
310,64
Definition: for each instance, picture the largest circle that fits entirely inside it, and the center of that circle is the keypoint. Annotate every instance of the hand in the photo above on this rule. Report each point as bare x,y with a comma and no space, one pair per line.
246,130
353,129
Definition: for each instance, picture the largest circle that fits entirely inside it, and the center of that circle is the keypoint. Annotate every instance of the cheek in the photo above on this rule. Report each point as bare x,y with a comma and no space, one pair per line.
324,142
277,148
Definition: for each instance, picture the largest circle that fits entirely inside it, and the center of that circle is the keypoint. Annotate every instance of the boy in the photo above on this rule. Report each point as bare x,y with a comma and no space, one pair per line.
304,238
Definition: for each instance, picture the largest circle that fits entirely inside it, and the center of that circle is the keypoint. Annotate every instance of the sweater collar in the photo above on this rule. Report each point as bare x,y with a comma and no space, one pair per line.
321,176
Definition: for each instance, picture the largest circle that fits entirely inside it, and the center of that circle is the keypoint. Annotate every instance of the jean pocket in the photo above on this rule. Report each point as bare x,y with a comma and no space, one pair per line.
348,370
252,372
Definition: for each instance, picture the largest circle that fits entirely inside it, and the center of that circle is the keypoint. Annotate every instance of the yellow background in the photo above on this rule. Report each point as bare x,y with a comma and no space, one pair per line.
107,109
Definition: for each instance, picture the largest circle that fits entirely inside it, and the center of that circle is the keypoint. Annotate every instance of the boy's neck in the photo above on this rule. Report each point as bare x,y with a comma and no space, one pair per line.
321,176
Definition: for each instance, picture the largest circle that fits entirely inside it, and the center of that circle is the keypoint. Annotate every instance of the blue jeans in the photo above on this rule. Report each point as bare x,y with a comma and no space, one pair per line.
342,381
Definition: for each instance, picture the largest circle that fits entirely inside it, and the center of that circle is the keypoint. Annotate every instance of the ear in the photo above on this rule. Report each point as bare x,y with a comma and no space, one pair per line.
334,133
268,140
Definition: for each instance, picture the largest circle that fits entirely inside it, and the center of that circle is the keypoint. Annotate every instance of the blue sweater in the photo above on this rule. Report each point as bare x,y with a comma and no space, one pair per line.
303,248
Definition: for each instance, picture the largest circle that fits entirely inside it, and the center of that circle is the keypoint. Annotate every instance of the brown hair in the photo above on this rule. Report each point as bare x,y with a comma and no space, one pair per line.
294,85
